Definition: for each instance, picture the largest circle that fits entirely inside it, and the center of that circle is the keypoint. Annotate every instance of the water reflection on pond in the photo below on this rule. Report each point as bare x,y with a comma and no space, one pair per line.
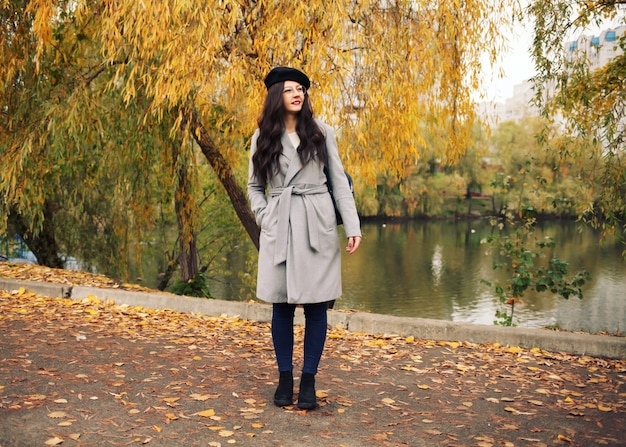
434,270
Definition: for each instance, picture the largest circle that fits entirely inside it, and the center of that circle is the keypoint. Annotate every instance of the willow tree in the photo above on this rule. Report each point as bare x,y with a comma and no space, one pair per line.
592,101
382,72
77,178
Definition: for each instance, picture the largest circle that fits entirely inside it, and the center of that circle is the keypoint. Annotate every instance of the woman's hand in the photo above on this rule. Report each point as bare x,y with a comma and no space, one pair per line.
353,244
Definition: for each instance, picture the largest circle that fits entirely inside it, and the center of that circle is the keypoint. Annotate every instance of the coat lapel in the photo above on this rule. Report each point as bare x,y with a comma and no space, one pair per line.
295,165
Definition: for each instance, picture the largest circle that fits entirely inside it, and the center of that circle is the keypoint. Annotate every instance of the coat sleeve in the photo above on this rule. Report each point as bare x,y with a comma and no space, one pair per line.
256,190
341,188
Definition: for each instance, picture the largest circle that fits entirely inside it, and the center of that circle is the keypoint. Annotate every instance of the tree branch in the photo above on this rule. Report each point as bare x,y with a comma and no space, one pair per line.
225,174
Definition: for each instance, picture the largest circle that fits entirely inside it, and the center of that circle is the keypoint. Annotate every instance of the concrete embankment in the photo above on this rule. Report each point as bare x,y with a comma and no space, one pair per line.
420,328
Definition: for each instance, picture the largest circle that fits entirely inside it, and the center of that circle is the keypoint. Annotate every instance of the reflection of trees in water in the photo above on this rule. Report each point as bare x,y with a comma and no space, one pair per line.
434,270
436,265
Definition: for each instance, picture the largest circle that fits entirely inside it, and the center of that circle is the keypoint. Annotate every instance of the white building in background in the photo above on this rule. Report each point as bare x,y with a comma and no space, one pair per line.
514,108
598,50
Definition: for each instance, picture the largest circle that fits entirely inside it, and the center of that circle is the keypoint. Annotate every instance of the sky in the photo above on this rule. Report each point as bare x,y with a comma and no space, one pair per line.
516,66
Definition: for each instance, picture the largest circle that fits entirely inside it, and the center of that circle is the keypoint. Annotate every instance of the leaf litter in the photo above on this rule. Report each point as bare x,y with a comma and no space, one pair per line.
190,379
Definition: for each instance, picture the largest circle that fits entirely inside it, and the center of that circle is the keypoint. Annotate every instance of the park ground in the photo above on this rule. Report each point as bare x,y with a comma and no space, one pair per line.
95,373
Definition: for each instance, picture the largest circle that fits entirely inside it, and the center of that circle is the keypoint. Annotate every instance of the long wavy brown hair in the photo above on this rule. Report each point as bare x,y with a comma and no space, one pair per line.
271,127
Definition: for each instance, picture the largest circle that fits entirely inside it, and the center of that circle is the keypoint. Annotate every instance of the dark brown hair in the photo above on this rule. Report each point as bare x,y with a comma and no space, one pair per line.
271,128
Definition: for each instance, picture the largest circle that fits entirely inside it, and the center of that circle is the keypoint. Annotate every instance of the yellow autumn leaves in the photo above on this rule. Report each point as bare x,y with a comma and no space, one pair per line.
148,375
389,74
40,273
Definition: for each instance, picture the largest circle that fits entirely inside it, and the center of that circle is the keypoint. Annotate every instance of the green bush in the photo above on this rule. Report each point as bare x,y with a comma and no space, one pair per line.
196,286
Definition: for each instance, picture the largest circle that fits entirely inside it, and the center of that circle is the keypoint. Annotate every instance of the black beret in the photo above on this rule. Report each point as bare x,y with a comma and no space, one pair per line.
282,74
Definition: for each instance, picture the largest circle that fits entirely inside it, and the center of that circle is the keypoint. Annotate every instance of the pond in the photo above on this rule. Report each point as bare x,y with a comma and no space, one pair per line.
435,270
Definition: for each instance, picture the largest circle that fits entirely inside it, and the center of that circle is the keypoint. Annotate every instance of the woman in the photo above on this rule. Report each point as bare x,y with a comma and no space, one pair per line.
299,257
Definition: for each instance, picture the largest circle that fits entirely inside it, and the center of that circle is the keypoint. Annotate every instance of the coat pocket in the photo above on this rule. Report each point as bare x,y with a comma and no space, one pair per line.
328,214
267,218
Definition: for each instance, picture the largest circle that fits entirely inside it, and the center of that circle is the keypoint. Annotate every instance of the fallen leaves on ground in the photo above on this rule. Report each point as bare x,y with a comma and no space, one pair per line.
108,374
34,272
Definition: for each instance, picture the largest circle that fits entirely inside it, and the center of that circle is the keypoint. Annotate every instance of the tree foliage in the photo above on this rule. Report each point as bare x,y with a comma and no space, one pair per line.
75,171
96,93
591,101
522,255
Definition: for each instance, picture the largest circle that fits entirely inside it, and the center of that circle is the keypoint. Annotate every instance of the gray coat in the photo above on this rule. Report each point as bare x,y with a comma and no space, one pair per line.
299,255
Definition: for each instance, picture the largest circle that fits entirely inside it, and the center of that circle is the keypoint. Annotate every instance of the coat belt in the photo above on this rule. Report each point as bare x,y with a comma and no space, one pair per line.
284,211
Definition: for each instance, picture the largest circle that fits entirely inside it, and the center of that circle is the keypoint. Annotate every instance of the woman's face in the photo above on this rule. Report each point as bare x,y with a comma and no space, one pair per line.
293,96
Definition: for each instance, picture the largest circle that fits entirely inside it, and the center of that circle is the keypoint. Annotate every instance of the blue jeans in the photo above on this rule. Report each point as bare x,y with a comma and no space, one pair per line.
316,322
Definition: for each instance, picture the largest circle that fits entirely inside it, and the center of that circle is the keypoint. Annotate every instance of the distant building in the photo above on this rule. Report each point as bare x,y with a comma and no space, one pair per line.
514,108
598,50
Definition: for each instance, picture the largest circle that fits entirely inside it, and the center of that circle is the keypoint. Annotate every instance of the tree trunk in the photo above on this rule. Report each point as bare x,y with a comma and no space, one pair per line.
188,259
42,243
468,196
188,250
167,275
224,172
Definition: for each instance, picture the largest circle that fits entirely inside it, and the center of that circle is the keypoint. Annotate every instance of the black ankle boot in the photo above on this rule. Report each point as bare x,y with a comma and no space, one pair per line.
284,393
306,396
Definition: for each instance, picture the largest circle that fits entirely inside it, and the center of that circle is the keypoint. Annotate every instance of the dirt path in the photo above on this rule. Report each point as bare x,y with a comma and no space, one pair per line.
98,374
